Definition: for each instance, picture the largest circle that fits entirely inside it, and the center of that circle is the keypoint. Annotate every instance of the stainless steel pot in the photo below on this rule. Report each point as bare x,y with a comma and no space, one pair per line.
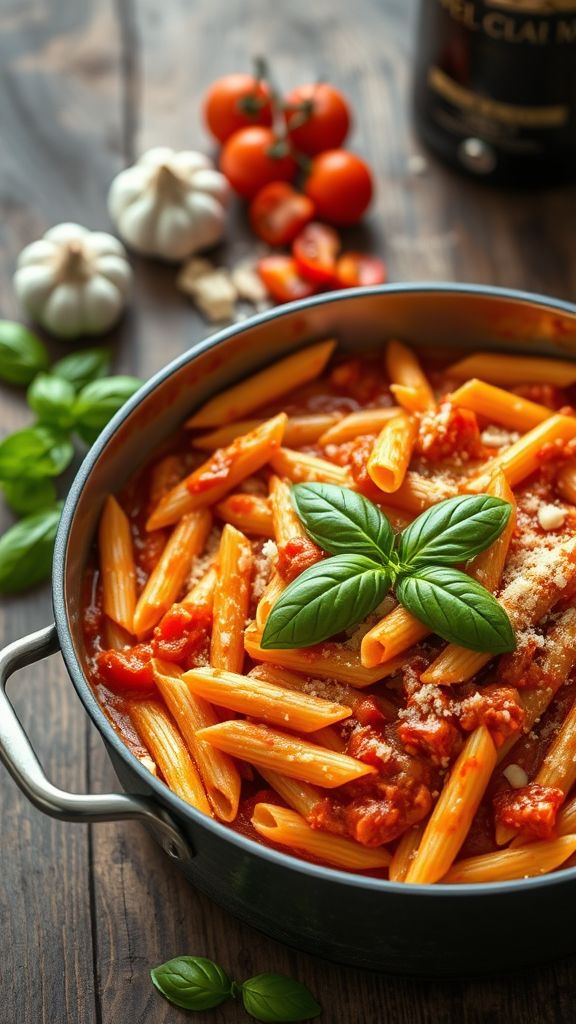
355,920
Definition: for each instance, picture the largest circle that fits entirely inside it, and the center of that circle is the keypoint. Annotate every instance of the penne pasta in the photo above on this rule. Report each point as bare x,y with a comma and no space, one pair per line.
264,387
500,406
452,815
392,452
302,468
220,474
327,661
201,593
404,369
405,852
218,772
170,573
231,600
272,591
286,523
264,700
522,458
514,370
248,512
289,755
287,828
117,566
504,865
300,430
415,494
355,424
300,796
394,634
160,736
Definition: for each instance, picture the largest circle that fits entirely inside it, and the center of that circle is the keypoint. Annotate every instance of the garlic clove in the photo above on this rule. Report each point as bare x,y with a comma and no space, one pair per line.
33,285
139,223
173,232
67,232
212,182
101,303
37,252
206,215
115,269
62,313
156,156
188,163
127,187
102,244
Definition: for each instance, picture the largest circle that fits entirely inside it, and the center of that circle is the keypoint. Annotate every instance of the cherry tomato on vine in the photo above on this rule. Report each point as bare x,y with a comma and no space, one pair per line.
340,186
315,251
234,102
253,157
358,268
317,117
281,277
278,212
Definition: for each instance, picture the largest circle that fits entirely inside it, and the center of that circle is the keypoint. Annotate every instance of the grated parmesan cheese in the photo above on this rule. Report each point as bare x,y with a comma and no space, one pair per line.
551,517
516,776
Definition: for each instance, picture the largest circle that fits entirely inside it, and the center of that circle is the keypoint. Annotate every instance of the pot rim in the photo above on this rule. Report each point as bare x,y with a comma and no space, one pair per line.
82,686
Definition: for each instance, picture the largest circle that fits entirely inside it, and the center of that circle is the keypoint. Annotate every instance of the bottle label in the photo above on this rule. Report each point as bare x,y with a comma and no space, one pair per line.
521,22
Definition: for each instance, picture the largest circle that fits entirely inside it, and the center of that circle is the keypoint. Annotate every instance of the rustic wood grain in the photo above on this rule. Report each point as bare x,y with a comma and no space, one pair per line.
86,86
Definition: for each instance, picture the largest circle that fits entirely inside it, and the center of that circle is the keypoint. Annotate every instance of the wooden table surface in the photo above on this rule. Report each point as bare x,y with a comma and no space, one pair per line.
86,86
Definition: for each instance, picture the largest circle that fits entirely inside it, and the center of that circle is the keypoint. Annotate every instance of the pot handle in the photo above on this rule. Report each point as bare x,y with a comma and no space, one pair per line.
20,759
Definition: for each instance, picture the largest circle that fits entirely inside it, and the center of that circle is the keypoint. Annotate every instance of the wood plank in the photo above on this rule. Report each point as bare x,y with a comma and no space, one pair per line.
59,109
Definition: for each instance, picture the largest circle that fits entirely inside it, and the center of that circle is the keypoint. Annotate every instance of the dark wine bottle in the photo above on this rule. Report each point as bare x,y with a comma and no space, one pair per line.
495,87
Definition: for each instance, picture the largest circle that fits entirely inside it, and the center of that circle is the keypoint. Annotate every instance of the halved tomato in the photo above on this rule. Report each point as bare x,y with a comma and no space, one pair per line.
315,251
282,279
278,213
358,268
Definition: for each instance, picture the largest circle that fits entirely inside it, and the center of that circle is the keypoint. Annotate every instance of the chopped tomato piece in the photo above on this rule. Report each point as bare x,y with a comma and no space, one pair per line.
532,808
367,711
281,276
357,268
496,707
278,213
182,633
315,251
296,555
128,671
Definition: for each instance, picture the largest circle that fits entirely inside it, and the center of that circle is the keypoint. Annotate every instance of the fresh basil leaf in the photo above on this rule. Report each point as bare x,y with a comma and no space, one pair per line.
324,600
457,608
26,550
341,521
80,368
22,354
51,399
193,982
98,401
453,530
34,452
276,998
26,496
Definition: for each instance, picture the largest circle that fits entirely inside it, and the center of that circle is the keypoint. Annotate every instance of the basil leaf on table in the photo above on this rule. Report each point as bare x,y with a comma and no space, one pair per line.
98,401
26,550
192,982
454,530
457,608
80,368
22,354
34,452
276,998
26,496
324,600
52,398
342,521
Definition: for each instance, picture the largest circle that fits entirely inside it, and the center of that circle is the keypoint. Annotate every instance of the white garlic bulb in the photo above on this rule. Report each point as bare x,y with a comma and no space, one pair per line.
73,281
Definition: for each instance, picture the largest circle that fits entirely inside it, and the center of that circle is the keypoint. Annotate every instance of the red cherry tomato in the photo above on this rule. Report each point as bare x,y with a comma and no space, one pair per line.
321,120
340,186
279,212
252,158
315,251
234,102
281,277
358,268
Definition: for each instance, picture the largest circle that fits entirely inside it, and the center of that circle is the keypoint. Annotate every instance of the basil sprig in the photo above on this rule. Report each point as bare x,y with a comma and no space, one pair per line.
340,592
196,983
